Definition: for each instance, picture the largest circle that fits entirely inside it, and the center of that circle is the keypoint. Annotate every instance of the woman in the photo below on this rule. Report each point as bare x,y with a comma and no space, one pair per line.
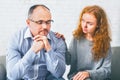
89,53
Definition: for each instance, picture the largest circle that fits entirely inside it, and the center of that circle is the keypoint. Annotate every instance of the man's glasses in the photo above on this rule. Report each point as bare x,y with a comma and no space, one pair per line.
48,22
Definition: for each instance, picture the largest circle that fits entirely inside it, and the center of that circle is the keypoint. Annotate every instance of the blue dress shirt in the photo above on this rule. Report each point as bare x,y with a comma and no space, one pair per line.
23,63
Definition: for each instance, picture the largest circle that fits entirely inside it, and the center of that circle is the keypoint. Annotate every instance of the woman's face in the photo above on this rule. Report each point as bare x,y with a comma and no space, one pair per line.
88,23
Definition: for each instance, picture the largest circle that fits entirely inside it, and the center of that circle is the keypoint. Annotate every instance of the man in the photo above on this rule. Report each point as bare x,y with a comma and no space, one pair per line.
34,53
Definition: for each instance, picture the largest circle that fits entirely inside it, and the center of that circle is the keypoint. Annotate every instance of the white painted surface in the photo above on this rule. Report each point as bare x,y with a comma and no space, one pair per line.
13,14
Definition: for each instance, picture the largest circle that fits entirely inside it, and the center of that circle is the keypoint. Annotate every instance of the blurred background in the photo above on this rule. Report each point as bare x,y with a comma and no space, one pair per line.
65,13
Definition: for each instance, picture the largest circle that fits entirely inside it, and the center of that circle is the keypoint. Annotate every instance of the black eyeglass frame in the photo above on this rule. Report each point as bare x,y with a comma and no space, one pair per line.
41,21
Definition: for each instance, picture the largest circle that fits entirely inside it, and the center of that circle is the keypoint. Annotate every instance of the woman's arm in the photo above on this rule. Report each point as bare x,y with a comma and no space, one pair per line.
103,68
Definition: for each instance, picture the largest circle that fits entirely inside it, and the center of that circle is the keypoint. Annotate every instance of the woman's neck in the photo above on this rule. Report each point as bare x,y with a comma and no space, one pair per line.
89,37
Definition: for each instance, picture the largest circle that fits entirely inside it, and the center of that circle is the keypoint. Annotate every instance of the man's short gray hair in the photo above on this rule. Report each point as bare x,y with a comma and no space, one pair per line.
34,7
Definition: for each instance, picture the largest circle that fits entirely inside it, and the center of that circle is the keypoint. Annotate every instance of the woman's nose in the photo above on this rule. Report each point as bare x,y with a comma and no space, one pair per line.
85,25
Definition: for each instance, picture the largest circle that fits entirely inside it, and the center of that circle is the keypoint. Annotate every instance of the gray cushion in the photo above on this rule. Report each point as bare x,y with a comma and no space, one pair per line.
2,68
115,63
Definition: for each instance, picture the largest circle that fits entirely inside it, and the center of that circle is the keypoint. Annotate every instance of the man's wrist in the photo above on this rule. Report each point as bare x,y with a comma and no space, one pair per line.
48,48
34,50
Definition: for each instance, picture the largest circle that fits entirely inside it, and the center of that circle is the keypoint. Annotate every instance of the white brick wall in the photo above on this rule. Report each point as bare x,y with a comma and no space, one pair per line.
65,14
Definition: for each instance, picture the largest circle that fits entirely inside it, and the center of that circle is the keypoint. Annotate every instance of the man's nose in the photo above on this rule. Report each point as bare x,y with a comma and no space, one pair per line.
44,25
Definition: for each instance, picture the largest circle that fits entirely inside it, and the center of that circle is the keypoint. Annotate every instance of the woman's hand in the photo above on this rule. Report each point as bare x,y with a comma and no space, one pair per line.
81,75
58,35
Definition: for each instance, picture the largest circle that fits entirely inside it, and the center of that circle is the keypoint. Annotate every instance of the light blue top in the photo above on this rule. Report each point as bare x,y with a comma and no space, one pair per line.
23,63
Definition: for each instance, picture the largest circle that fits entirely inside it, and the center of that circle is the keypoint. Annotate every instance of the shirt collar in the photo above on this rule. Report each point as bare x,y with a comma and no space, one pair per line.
48,36
29,35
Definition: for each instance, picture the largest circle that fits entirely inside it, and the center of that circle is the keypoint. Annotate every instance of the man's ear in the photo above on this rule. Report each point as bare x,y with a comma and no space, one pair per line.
28,22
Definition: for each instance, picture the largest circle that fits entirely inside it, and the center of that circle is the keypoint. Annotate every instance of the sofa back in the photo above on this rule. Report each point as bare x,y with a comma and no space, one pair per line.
3,67
115,68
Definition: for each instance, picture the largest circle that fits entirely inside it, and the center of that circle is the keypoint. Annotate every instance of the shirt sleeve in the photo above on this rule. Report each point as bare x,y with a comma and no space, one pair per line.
104,70
16,64
55,59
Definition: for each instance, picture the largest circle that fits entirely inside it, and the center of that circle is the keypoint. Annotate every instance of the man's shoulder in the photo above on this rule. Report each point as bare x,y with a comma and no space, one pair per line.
57,41
22,30
19,33
53,36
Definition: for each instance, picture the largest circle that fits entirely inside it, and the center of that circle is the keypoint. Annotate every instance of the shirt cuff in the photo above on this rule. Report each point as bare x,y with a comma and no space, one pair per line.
29,57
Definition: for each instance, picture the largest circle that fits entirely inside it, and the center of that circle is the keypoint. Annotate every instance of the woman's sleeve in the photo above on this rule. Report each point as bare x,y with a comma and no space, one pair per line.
102,69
